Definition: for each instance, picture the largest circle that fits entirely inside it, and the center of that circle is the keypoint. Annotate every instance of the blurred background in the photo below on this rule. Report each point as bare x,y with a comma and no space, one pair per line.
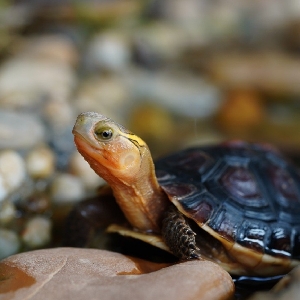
175,72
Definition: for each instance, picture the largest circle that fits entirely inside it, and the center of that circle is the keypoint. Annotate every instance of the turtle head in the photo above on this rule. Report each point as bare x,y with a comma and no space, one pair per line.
111,150
124,161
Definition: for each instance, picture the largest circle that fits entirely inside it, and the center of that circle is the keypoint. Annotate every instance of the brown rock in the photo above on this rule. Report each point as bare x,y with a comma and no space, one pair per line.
288,288
242,112
71,273
271,72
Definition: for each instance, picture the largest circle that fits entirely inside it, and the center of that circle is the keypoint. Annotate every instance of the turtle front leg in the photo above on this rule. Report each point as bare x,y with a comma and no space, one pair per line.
179,236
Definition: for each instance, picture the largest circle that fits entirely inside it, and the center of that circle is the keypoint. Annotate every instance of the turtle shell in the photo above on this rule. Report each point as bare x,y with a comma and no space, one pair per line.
241,193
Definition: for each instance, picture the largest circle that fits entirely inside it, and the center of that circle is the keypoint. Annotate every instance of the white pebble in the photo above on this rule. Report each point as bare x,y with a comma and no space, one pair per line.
37,232
9,242
66,188
83,170
7,212
12,170
109,51
40,162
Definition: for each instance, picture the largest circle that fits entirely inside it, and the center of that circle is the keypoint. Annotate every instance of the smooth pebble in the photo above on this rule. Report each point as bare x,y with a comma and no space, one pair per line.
72,273
277,73
162,40
50,47
58,114
37,232
26,82
12,170
108,51
40,162
10,243
20,130
7,212
66,188
180,93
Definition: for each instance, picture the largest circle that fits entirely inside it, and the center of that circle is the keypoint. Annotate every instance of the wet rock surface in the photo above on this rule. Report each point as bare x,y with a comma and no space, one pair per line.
66,273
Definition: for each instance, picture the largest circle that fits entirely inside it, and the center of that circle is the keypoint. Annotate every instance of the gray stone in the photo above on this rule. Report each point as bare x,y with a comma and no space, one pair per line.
26,82
182,93
20,130
9,242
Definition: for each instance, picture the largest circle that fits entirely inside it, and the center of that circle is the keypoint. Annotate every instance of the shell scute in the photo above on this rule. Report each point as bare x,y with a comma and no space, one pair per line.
240,183
192,160
285,185
280,241
253,235
200,207
244,193
223,223
179,190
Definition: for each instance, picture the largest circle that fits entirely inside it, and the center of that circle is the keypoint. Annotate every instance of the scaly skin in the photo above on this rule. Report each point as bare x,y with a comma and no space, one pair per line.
124,161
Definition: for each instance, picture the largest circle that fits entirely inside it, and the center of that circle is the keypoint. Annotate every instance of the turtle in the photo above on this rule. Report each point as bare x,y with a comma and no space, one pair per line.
235,203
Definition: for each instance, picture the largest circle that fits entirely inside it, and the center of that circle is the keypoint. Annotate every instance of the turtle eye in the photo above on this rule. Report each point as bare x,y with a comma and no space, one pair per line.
104,134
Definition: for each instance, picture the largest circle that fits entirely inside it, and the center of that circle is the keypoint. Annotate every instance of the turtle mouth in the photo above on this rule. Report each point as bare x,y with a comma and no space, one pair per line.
81,140
86,148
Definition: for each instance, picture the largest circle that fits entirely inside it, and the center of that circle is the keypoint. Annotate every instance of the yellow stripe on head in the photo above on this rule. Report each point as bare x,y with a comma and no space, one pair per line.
131,136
